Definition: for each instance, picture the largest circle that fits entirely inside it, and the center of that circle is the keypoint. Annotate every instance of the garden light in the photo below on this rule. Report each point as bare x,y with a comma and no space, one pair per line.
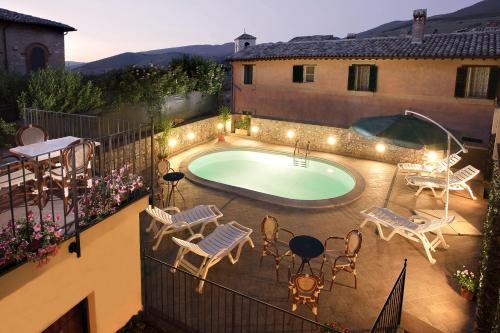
380,147
331,140
220,126
172,143
190,136
254,129
290,134
432,156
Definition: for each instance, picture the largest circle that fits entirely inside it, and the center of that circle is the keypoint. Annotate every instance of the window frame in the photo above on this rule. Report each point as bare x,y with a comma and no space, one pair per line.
245,79
28,56
353,78
463,81
304,73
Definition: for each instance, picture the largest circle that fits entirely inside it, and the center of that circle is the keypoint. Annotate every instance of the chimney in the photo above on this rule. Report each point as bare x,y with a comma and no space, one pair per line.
418,28
351,35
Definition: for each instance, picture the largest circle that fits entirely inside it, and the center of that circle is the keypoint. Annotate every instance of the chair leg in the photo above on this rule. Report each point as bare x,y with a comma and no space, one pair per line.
467,187
419,191
160,237
355,279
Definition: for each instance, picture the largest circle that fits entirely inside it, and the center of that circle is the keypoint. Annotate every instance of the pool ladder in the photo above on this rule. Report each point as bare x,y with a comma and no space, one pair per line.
300,159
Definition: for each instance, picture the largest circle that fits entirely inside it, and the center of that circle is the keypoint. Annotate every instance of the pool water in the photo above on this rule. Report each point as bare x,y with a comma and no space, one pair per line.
274,174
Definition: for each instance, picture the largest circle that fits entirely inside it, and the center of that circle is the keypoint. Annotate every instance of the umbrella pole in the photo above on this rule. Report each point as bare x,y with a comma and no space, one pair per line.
447,188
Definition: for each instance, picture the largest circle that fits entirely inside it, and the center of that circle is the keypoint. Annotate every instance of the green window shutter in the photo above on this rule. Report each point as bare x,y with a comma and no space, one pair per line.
461,81
351,78
298,73
248,74
493,83
372,86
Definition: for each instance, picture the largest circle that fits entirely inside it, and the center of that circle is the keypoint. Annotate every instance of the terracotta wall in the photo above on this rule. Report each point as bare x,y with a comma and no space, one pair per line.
425,86
108,273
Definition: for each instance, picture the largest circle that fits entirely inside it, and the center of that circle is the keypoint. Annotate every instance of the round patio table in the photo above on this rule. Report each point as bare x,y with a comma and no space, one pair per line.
307,248
173,179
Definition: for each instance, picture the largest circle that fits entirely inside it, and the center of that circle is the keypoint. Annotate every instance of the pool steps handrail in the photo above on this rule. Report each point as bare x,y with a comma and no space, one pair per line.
302,162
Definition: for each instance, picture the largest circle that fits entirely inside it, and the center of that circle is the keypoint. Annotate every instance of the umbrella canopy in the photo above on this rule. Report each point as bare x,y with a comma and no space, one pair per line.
403,130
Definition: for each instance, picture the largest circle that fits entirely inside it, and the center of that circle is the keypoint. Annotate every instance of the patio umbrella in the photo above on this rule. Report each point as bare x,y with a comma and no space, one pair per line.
404,130
410,130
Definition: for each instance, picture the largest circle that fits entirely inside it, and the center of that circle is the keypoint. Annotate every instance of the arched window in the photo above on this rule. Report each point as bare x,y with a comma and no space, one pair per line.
36,57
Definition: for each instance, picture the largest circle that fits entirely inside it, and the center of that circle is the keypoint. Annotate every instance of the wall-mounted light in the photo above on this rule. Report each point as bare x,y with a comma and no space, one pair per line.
190,136
331,140
220,126
254,129
432,156
172,143
380,147
290,134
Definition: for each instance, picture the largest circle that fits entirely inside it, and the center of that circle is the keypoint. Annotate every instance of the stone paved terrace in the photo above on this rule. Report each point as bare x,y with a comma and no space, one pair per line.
431,295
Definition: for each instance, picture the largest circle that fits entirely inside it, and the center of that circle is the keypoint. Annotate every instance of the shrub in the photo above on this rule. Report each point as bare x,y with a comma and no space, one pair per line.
60,90
7,130
243,123
11,85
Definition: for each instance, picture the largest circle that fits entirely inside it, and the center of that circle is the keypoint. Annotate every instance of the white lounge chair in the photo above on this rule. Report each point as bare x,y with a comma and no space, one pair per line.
431,168
414,228
202,214
212,248
458,181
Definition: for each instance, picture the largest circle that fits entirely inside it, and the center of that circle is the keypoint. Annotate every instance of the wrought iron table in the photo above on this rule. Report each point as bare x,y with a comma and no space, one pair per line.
173,178
307,248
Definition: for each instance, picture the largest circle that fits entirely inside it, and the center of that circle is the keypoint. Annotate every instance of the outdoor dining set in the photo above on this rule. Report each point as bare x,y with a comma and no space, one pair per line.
38,167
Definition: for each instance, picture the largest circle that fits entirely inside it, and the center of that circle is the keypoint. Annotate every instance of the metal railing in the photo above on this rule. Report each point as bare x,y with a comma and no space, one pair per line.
60,124
54,182
171,298
389,318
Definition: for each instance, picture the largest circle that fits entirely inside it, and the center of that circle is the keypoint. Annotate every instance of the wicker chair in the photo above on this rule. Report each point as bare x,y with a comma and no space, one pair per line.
31,134
62,174
343,260
305,289
272,245
16,179
162,168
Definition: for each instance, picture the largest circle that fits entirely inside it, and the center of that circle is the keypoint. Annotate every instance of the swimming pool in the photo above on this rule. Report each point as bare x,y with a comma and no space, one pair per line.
274,177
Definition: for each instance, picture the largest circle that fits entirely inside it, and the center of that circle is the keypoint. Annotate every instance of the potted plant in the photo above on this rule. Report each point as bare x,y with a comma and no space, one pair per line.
242,126
162,140
224,116
468,283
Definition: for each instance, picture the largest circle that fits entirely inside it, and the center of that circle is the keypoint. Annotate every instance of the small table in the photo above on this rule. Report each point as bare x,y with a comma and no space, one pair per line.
173,179
306,247
42,149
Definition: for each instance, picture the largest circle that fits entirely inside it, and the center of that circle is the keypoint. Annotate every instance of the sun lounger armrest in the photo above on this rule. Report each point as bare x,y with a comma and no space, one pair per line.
193,237
215,210
171,208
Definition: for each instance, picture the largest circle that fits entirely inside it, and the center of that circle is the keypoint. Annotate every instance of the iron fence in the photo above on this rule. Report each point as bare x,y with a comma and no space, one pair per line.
55,183
170,297
60,124
389,319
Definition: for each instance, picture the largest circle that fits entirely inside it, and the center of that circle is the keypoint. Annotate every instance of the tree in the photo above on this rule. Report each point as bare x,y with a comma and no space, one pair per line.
60,90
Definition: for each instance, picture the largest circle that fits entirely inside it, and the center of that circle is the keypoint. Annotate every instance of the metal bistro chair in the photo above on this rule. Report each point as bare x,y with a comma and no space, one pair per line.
272,245
305,289
15,175
62,175
343,260
31,134
162,168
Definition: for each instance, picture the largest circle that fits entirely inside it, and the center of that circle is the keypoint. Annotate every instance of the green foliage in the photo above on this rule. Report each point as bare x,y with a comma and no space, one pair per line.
162,138
243,123
7,130
466,279
60,90
205,76
11,86
224,115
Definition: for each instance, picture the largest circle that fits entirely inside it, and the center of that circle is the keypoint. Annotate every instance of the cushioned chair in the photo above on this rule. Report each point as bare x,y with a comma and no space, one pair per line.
273,246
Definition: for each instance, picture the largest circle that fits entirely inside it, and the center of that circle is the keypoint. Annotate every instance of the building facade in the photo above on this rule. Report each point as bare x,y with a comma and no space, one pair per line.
452,78
28,43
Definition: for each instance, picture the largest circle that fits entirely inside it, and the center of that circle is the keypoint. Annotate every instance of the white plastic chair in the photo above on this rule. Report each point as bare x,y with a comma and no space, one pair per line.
202,214
212,248
458,181
431,168
414,228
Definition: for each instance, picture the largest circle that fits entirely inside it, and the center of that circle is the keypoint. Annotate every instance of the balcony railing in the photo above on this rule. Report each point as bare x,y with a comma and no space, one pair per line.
61,187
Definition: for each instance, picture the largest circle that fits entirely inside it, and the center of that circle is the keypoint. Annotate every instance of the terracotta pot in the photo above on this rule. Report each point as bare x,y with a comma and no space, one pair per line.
222,138
466,294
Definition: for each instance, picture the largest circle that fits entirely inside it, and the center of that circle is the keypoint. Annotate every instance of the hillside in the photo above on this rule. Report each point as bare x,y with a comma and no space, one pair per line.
160,57
481,14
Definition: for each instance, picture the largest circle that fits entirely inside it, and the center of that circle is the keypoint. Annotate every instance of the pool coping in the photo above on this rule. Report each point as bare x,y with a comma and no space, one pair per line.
342,200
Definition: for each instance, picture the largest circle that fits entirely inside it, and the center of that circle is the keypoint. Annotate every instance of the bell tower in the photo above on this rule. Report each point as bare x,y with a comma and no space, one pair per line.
244,41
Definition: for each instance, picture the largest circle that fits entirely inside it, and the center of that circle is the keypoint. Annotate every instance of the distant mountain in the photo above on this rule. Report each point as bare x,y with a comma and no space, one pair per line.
161,57
74,64
482,14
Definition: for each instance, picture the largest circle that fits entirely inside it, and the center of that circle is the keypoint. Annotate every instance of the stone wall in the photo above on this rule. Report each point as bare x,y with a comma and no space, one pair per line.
346,141
203,131
20,36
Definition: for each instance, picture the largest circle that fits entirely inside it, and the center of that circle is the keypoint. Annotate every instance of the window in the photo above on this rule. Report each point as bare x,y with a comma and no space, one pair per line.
303,73
36,57
476,82
247,74
362,78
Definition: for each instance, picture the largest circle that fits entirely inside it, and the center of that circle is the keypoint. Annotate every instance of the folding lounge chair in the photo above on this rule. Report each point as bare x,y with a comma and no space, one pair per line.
458,181
441,166
202,214
413,228
212,248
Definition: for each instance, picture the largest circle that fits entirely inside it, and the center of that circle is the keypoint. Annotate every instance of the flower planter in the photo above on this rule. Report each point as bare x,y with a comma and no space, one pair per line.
466,294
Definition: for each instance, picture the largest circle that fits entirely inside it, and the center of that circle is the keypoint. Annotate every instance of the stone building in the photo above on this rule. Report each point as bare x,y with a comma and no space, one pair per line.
28,43
450,77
